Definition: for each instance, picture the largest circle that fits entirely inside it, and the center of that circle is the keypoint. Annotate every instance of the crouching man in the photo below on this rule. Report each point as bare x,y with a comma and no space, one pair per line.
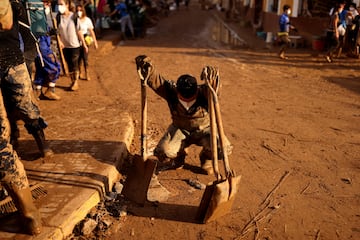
188,104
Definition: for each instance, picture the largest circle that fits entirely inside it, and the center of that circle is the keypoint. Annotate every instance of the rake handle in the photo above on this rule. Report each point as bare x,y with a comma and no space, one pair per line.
213,136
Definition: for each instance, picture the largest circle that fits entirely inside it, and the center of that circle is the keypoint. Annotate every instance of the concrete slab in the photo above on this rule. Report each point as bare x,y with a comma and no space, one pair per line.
75,178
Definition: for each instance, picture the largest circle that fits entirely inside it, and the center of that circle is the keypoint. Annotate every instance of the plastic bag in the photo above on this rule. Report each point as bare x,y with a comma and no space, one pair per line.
105,23
341,30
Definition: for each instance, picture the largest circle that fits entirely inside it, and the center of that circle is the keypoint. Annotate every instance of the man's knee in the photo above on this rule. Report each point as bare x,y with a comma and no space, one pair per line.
35,125
164,153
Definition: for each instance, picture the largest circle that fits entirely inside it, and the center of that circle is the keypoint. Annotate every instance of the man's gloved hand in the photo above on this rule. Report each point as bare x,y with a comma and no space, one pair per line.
210,74
143,62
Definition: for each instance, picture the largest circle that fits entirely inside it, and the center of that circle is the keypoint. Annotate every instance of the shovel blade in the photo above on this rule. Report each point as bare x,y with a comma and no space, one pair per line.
218,199
138,180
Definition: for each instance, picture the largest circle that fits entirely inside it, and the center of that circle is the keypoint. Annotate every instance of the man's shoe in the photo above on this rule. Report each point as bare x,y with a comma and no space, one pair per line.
30,214
50,94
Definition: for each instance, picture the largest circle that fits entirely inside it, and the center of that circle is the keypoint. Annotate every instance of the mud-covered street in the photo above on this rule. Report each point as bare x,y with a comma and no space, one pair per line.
294,126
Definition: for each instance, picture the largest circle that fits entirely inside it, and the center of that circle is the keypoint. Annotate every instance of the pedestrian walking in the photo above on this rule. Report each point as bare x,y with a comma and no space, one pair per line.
47,65
17,90
188,105
122,13
351,30
332,33
12,67
87,30
284,29
70,38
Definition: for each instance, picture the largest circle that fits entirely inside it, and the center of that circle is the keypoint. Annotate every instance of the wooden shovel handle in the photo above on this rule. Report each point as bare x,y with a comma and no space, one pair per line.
143,114
220,128
213,136
61,53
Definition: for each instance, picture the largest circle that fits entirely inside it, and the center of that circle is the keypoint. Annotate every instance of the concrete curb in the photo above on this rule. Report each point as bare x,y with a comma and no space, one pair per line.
92,198
75,183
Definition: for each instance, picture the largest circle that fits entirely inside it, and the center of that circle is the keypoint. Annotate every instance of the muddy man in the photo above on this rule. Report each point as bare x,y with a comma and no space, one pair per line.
12,65
188,105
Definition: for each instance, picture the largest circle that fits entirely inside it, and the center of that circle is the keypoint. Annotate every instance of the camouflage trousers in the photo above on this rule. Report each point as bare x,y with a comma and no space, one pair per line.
12,172
175,141
18,95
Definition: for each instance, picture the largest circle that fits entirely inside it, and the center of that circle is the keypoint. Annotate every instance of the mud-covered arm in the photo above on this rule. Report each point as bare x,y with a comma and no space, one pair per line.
6,15
19,12
163,87
154,80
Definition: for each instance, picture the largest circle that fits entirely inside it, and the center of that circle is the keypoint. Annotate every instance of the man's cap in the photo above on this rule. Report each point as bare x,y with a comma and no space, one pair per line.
186,86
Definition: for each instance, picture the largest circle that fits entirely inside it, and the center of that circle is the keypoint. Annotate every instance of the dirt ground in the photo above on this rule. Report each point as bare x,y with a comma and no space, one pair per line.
294,125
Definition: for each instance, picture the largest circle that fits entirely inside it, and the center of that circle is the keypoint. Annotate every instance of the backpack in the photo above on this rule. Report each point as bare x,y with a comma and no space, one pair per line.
36,17
29,41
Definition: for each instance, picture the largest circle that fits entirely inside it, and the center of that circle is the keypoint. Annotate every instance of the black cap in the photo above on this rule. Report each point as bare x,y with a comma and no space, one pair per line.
186,86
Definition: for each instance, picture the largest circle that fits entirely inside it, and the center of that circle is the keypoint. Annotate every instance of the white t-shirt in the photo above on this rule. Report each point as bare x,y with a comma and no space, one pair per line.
85,25
68,31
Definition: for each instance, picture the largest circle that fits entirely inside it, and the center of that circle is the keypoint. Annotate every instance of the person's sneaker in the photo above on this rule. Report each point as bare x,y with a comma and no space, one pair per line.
328,59
50,94
208,167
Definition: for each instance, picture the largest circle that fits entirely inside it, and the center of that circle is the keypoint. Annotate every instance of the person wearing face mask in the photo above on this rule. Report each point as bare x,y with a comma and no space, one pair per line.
283,34
188,104
87,29
71,39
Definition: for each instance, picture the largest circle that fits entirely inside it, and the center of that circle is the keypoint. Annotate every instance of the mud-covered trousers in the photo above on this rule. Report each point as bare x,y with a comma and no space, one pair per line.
18,95
175,140
285,43
50,71
72,58
12,172
19,100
